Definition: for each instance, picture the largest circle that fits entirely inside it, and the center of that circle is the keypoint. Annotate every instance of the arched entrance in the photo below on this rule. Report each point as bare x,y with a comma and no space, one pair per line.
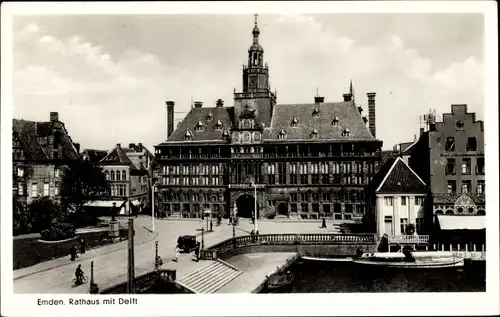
282,209
246,204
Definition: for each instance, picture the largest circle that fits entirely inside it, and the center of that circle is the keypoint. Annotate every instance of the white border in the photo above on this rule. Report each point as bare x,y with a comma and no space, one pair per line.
274,305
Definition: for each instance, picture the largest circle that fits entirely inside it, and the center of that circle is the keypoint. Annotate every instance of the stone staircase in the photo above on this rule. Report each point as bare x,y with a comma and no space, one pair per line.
210,278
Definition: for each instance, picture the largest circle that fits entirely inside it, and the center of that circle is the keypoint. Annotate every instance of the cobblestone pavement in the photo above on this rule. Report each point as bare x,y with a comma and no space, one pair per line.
110,263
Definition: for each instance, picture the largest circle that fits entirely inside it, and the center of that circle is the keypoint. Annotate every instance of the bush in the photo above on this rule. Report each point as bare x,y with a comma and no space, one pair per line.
59,231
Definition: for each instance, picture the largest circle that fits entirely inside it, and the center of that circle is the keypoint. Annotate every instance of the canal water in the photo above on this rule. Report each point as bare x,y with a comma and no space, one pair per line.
345,277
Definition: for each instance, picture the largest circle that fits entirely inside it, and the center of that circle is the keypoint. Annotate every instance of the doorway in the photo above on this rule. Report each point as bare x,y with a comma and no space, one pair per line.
282,209
246,204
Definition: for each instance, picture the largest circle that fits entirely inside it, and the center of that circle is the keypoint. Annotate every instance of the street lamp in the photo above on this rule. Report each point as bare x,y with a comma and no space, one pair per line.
255,225
153,206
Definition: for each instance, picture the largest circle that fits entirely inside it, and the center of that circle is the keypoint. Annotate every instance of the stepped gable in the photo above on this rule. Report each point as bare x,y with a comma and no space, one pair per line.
395,176
209,131
33,137
318,116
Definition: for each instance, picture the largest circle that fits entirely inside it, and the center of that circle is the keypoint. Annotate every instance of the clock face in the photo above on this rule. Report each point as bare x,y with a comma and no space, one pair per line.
460,124
246,137
236,137
256,136
246,124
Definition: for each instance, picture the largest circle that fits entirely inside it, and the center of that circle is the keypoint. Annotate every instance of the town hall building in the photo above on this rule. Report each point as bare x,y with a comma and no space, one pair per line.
300,160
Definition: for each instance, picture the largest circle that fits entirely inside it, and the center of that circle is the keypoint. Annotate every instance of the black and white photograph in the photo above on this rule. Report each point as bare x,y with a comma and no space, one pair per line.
156,151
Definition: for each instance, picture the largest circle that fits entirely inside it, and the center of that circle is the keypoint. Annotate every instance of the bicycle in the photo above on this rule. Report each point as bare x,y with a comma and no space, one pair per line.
83,280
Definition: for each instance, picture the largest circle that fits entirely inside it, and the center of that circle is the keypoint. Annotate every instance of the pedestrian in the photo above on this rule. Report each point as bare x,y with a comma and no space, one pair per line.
323,225
177,252
229,220
82,246
211,225
72,252
197,251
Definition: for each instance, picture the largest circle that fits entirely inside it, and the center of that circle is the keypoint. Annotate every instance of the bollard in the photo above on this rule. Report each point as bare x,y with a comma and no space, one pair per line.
466,248
458,247
474,247
482,247
434,247
426,248
442,247
451,248
93,286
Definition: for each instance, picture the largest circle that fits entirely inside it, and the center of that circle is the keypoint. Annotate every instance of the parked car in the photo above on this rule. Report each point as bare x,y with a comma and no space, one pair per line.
187,243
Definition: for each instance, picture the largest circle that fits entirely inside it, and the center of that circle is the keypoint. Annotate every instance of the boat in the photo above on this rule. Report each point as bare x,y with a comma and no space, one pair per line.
412,259
327,259
279,281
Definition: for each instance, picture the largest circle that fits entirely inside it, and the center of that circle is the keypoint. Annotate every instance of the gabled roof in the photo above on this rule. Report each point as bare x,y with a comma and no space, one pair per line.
347,113
395,176
32,137
94,155
208,133
117,156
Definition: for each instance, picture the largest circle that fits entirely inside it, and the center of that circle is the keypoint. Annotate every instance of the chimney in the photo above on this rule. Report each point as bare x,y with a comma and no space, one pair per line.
319,99
421,131
347,97
77,147
371,113
54,116
118,145
170,118
219,103
131,145
198,104
140,147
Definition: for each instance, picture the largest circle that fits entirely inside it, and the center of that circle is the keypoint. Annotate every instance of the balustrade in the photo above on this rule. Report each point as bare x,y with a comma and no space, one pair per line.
409,239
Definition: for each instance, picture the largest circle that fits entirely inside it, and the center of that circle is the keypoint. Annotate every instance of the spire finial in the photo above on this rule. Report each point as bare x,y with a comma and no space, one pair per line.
256,15
317,92
351,90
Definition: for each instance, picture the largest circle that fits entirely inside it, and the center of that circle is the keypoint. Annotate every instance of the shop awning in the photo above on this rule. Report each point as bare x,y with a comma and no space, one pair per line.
104,203
462,222
135,202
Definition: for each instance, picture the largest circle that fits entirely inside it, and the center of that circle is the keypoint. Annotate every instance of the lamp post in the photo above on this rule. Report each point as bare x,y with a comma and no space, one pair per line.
202,239
131,264
93,286
233,223
255,225
113,210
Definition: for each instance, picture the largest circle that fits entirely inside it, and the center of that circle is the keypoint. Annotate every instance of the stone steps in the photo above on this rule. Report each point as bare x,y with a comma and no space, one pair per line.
209,278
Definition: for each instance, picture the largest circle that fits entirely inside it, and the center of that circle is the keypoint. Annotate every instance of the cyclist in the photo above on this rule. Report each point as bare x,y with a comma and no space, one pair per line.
79,274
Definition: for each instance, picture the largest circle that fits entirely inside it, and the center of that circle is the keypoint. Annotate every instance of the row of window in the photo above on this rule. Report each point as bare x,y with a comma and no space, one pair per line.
34,189
466,186
118,190
470,146
403,222
326,208
327,196
466,166
116,175
197,208
389,201
20,172
182,197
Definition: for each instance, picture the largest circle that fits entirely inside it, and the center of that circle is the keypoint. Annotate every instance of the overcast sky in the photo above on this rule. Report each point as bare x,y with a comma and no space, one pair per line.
109,76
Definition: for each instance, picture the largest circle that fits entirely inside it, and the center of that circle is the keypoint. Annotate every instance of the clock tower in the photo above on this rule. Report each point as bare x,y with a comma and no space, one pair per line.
256,95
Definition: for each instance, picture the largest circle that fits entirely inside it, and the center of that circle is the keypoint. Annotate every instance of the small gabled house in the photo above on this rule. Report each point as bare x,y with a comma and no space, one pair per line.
397,196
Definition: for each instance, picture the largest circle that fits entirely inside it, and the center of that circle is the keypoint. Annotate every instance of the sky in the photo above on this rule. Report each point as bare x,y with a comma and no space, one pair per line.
109,76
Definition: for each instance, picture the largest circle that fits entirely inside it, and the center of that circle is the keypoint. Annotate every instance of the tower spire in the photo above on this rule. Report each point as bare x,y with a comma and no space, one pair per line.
256,15
256,31
351,90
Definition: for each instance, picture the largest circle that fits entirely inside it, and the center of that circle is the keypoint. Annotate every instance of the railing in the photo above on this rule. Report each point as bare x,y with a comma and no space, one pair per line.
142,282
409,239
245,186
215,251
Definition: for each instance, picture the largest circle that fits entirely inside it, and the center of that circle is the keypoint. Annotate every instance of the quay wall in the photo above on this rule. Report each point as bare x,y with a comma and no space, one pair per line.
328,250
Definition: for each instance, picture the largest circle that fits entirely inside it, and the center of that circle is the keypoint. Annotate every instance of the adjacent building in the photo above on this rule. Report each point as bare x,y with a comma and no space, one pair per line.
93,156
303,160
41,151
128,171
397,195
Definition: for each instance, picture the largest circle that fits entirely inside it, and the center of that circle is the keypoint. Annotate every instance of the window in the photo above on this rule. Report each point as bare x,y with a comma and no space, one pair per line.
46,189
56,173
20,172
326,209
419,225
56,189
360,209
403,224
480,166
124,175
315,208
112,175
450,166
294,122
305,208
293,208
314,134
118,175
403,201
450,144
20,189
452,187
348,208
419,201
388,201
480,187
338,216
466,186
34,190
471,144
466,166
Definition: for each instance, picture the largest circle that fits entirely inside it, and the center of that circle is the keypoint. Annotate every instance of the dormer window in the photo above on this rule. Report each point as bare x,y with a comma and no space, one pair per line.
346,132
335,121
199,126
315,112
188,136
282,134
209,116
225,134
218,125
294,123
314,134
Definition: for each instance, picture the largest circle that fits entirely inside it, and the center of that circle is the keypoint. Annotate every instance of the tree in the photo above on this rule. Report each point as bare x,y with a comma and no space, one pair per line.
43,212
21,222
82,182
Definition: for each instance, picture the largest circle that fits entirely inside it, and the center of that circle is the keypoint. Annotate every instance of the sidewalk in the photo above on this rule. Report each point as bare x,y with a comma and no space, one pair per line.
48,265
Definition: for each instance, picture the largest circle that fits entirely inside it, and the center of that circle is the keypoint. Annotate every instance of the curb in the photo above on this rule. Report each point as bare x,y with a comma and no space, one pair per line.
81,259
